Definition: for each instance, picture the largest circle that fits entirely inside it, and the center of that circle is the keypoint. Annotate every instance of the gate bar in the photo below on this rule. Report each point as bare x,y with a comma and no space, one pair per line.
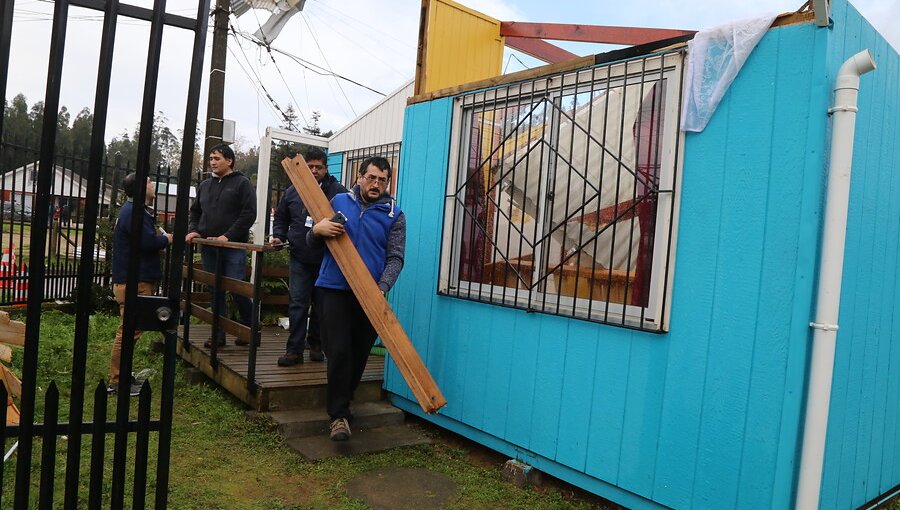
141,13
148,109
86,265
38,245
6,18
177,254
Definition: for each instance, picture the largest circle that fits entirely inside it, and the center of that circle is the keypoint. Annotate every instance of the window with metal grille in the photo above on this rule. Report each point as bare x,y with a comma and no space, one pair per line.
561,194
352,159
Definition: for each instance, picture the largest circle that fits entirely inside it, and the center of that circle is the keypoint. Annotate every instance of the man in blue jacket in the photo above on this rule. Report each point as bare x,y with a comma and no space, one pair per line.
377,228
152,243
292,222
225,209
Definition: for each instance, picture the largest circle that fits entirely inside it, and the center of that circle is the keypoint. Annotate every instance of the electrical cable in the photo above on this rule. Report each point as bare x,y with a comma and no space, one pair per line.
308,65
305,121
315,40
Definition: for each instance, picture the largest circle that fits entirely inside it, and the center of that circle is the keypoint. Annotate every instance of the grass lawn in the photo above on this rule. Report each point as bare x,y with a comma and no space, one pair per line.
221,459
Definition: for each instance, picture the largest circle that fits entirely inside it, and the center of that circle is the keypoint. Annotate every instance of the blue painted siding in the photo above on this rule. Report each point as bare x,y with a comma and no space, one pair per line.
709,414
861,461
336,164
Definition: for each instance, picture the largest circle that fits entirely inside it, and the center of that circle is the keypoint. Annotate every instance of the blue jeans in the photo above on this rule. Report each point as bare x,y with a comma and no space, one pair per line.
303,277
234,265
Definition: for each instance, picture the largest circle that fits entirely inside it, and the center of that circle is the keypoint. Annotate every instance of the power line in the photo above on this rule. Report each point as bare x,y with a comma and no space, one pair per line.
305,121
315,40
307,64
265,90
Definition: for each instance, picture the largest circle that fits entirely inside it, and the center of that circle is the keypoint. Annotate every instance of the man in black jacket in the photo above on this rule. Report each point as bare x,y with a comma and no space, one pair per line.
150,273
292,222
225,209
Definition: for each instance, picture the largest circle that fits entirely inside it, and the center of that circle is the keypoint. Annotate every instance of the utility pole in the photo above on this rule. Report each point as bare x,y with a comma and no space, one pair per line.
215,105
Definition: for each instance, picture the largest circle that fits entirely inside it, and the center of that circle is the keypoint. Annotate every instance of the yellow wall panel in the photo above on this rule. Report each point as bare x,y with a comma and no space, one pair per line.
461,45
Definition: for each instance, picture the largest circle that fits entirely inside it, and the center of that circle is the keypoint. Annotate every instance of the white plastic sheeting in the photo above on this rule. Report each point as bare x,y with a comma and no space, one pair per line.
715,56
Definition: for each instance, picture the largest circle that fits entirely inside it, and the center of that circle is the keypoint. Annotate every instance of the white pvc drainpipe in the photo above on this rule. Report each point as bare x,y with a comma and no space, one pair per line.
818,390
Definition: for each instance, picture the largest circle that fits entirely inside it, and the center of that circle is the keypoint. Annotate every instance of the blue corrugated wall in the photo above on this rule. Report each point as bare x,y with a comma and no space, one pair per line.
705,416
862,459
336,165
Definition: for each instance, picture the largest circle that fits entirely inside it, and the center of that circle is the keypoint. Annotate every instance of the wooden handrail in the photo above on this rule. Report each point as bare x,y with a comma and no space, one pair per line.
265,248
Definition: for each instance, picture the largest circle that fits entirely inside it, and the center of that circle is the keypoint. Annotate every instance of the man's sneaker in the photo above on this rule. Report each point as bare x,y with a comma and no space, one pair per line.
290,359
316,354
340,430
112,389
135,389
219,343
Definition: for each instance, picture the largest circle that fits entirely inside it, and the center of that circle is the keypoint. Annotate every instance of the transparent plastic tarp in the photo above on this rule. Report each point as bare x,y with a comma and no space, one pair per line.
716,56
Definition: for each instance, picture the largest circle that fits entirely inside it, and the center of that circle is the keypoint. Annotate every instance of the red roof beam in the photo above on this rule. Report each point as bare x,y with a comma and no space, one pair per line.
539,49
629,36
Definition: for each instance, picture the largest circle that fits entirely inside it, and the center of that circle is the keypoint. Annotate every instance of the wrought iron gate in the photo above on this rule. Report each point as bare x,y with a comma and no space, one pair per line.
163,316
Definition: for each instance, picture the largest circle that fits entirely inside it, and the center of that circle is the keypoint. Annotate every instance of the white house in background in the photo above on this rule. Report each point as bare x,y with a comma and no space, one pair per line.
376,132
69,188
166,197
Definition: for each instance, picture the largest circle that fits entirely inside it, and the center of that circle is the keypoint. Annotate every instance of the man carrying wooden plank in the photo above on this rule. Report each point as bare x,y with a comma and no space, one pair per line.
369,216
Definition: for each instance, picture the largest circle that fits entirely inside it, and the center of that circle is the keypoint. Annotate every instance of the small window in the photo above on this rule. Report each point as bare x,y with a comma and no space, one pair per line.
560,197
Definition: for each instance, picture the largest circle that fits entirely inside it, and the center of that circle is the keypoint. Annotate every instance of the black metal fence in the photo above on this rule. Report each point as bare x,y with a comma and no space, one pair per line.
563,197
66,209
129,433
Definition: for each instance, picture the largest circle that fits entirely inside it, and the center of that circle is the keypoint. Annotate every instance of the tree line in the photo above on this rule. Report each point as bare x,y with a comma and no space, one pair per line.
22,125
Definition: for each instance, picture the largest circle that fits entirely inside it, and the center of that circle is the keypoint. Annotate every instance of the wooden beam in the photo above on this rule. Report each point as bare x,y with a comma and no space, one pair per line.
628,36
227,325
11,332
240,287
422,48
12,383
539,49
523,75
366,290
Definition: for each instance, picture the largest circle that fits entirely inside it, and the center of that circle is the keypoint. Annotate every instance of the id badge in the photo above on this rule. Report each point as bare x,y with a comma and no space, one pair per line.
309,222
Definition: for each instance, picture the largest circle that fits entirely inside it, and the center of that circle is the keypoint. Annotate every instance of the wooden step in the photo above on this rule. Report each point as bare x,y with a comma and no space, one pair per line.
361,441
297,423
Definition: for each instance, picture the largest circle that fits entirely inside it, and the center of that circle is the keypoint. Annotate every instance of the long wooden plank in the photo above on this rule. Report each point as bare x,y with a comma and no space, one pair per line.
629,36
366,290
11,332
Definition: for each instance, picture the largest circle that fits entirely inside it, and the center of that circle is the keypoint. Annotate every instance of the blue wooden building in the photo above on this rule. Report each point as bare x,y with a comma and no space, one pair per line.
627,307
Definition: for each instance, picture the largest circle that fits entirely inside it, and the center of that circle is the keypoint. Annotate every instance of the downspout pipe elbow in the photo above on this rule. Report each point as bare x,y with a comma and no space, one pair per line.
854,67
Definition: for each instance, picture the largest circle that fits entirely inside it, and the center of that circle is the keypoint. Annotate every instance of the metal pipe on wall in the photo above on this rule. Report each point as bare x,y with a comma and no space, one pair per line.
825,325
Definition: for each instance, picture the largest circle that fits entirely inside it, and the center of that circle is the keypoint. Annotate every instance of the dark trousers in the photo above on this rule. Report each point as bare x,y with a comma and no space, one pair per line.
234,265
349,336
303,277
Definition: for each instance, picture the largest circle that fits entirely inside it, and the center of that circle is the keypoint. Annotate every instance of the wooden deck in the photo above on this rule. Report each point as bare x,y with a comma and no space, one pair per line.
302,385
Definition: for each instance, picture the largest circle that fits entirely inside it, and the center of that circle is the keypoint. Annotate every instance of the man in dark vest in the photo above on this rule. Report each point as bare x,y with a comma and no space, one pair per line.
377,227
292,222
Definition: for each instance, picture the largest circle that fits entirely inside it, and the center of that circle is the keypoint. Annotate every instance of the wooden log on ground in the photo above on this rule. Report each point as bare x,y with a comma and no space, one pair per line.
366,290
11,332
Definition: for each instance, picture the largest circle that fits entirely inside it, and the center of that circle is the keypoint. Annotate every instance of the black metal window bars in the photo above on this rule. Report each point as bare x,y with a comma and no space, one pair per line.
561,193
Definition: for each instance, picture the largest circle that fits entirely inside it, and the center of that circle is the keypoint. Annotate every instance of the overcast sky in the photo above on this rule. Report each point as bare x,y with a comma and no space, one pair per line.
372,42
